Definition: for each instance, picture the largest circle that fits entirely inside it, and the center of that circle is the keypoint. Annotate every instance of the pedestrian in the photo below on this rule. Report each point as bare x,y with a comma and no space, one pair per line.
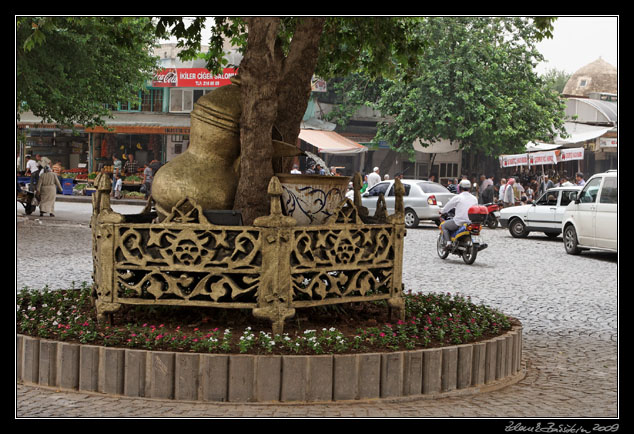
501,190
530,193
451,186
580,181
118,186
32,169
148,176
509,193
545,185
130,166
295,170
47,187
374,178
563,182
485,182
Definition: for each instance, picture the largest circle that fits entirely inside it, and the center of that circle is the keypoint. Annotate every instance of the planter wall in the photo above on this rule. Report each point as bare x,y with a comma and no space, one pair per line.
429,373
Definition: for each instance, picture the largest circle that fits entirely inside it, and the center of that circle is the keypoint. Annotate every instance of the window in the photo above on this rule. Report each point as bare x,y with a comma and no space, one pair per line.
406,186
379,188
589,192
152,100
567,197
430,187
609,191
181,100
548,198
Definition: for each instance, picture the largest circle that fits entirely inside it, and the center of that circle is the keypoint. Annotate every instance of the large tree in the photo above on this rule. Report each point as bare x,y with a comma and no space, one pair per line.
70,69
281,56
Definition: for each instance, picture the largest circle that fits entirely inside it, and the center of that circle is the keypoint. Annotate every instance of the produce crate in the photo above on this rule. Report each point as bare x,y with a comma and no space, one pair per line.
67,186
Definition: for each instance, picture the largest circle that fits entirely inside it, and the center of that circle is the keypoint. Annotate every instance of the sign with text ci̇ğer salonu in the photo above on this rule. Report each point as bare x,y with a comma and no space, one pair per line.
192,77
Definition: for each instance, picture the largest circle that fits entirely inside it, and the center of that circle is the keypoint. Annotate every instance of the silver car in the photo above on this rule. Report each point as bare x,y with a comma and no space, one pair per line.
422,201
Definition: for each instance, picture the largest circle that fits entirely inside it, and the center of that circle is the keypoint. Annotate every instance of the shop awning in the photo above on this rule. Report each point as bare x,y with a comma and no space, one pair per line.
582,132
330,142
439,147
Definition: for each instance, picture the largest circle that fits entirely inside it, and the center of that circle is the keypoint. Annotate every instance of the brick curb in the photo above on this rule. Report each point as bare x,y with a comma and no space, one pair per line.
420,374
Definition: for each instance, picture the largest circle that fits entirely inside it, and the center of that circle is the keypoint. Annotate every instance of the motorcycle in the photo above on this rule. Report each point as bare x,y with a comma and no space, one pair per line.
493,215
466,240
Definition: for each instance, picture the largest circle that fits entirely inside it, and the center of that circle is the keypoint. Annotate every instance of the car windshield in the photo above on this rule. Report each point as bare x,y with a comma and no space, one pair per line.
432,187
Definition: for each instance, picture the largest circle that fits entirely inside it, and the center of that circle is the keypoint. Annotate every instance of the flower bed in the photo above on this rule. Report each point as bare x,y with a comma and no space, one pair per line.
432,320
448,346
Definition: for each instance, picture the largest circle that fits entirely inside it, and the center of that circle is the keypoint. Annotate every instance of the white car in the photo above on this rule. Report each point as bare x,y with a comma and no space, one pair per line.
422,201
543,215
591,221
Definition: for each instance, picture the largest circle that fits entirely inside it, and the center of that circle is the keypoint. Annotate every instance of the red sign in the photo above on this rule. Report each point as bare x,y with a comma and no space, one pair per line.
192,77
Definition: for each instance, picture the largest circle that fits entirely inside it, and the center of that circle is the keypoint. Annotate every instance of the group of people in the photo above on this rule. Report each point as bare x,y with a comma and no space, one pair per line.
517,190
119,170
44,183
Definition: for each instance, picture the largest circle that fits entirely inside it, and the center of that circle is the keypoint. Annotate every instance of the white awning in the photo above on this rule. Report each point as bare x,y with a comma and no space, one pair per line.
440,147
330,142
581,132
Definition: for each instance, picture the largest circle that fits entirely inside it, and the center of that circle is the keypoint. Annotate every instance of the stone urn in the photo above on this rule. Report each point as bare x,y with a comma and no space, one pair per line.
208,170
311,199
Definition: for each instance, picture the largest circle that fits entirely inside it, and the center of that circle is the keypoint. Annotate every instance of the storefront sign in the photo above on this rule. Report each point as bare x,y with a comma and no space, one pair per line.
192,77
608,142
569,154
513,160
539,158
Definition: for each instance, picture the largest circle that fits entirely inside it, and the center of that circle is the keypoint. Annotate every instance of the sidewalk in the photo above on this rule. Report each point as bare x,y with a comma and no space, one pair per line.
88,199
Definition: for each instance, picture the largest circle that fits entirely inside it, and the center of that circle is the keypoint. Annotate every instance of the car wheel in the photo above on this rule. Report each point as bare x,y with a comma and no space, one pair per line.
411,218
518,229
570,241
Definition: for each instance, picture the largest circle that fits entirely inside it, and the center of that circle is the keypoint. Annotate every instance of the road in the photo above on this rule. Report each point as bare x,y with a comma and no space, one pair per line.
567,304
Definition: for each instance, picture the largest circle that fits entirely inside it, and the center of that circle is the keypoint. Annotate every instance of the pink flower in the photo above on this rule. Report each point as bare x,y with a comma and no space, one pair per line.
382,334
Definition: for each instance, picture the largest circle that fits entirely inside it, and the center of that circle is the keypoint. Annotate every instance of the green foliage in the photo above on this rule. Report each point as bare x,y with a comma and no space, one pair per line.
474,83
69,69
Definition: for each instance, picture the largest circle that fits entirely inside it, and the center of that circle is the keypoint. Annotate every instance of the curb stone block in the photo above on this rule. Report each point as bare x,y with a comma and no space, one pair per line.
369,375
268,377
135,364
413,373
19,356
449,378
30,360
111,370
465,366
490,361
47,366
161,375
294,378
345,377
88,368
320,373
509,356
479,364
186,376
68,366
240,378
391,374
432,371
500,362
214,378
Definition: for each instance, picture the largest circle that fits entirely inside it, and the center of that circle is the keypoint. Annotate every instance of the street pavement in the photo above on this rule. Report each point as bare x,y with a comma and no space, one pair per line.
567,304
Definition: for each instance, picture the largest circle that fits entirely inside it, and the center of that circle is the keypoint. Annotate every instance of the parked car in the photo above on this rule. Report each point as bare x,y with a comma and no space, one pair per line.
591,221
543,215
422,201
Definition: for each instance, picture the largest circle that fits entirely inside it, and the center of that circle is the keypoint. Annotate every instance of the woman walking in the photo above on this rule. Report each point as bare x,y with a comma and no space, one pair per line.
47,187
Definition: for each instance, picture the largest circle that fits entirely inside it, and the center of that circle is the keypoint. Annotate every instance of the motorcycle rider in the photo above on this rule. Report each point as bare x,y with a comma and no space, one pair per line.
461,202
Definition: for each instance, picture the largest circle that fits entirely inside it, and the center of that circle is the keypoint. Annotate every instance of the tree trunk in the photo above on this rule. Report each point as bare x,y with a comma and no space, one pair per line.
275,92
295,83
260,73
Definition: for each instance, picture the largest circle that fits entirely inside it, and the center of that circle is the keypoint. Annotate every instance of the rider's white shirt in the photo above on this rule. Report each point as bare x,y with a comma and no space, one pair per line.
461,202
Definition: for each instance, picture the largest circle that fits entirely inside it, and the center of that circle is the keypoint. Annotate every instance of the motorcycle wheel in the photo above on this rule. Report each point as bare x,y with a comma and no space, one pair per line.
440,248
470,252
492,222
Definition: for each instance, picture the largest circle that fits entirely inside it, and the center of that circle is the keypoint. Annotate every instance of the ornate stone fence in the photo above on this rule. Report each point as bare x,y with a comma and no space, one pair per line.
272,267
421,374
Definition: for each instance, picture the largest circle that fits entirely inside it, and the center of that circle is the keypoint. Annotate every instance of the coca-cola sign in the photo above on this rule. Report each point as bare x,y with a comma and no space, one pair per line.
165,78
192,77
